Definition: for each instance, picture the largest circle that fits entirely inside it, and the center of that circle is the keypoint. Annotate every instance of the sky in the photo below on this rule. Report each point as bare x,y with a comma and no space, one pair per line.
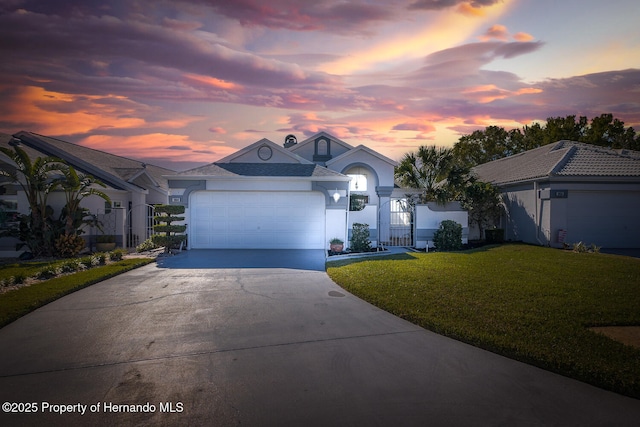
182,83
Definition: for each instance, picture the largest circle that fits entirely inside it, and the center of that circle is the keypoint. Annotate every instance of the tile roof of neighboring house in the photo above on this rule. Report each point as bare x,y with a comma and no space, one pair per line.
262,169
564,159
120,167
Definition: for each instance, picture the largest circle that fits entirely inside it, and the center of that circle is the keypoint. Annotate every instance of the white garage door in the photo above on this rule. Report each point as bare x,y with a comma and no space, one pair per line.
257,220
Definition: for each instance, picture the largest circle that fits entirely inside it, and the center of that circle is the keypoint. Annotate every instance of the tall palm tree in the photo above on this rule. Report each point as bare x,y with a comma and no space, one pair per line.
435,171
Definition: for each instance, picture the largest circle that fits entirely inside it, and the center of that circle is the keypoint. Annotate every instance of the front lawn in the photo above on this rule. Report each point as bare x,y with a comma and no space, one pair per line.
529,303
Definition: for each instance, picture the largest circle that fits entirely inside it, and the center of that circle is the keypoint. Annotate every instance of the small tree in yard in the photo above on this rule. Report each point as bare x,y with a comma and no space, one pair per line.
483,202
165,215
449,236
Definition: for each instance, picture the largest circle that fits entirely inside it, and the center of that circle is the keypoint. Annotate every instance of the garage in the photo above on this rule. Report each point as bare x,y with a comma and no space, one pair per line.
608,219
257,220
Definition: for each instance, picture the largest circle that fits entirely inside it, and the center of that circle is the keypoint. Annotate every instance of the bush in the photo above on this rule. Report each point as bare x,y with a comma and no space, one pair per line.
448,237
117,254
147,245
360,238
69,245
49,272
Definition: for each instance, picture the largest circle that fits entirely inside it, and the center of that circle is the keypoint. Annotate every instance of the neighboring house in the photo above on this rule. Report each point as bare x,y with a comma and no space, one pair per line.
296,196
569,192
133,186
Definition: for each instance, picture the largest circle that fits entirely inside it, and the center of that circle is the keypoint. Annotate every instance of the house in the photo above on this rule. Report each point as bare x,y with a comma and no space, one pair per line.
267,195
569,192
293,196
133,186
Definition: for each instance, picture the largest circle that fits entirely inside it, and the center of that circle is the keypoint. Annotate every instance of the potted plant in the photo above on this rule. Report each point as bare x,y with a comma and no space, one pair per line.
336,245
105,242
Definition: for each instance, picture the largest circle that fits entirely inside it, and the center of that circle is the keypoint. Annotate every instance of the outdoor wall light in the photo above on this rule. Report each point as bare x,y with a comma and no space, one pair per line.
336,196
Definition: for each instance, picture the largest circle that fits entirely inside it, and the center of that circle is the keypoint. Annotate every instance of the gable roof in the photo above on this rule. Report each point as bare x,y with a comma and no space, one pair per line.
361,148
561,159
293,166
256,145
320,135
115,171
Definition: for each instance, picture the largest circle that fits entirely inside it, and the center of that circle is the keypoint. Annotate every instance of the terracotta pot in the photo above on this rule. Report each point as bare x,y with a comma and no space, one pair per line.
336,247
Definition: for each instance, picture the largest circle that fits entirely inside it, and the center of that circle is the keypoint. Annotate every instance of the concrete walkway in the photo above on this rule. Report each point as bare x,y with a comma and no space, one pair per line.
194,340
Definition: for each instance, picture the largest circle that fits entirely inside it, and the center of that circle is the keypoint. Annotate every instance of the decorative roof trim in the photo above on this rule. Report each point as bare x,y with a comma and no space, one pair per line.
258,144
365,149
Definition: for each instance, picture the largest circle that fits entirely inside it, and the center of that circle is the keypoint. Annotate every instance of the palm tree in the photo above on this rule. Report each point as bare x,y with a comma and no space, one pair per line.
76,187
435,171
37,181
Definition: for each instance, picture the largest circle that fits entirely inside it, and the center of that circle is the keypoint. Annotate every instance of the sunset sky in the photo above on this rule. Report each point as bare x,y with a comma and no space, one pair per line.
180,83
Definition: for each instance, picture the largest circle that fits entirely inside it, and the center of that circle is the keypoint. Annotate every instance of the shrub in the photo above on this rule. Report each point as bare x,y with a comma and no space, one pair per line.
102,257
70,266
49,272
147,245
69,245
360,238
582,248
449,236
117,255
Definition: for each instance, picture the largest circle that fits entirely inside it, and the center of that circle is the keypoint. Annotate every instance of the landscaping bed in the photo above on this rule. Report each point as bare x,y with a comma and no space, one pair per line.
25,286
529,303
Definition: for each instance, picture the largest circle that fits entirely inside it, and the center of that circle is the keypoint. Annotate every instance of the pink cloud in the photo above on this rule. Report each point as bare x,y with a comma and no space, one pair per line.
497,32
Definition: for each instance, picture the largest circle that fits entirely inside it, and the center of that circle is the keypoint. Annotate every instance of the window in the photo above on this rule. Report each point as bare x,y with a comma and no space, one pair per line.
357,202
113,205
323,147
358,182
9,216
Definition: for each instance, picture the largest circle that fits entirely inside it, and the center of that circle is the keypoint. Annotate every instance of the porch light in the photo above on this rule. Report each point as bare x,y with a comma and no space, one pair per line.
336,196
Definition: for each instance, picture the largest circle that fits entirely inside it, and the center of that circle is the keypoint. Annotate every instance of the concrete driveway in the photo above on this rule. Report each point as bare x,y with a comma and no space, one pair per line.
220,338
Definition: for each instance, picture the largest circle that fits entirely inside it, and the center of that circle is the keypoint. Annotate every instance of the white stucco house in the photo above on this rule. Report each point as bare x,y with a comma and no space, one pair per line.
569,192
294,196
133,187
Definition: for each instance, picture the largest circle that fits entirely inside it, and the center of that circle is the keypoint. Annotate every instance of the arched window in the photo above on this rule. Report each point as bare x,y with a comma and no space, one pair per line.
358,182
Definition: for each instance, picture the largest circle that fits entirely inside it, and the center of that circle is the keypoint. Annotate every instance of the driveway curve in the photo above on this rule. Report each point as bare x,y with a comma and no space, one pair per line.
264,338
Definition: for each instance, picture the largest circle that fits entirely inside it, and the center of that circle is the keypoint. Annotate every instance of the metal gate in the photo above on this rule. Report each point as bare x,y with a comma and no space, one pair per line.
401,223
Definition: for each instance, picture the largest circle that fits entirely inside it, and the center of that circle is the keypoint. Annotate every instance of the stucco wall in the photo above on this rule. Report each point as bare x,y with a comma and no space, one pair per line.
428,218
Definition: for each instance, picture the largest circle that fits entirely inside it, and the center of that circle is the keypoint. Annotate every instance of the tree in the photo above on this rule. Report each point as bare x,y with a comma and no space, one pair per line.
77,187
165,214
483,202
483,146
494,142
37,181
609,132
435,171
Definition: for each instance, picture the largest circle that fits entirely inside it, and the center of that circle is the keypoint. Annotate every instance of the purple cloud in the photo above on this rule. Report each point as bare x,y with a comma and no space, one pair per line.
444,4
321,15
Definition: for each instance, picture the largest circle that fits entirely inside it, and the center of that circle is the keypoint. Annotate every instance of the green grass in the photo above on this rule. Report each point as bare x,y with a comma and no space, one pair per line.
17,303
529,303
